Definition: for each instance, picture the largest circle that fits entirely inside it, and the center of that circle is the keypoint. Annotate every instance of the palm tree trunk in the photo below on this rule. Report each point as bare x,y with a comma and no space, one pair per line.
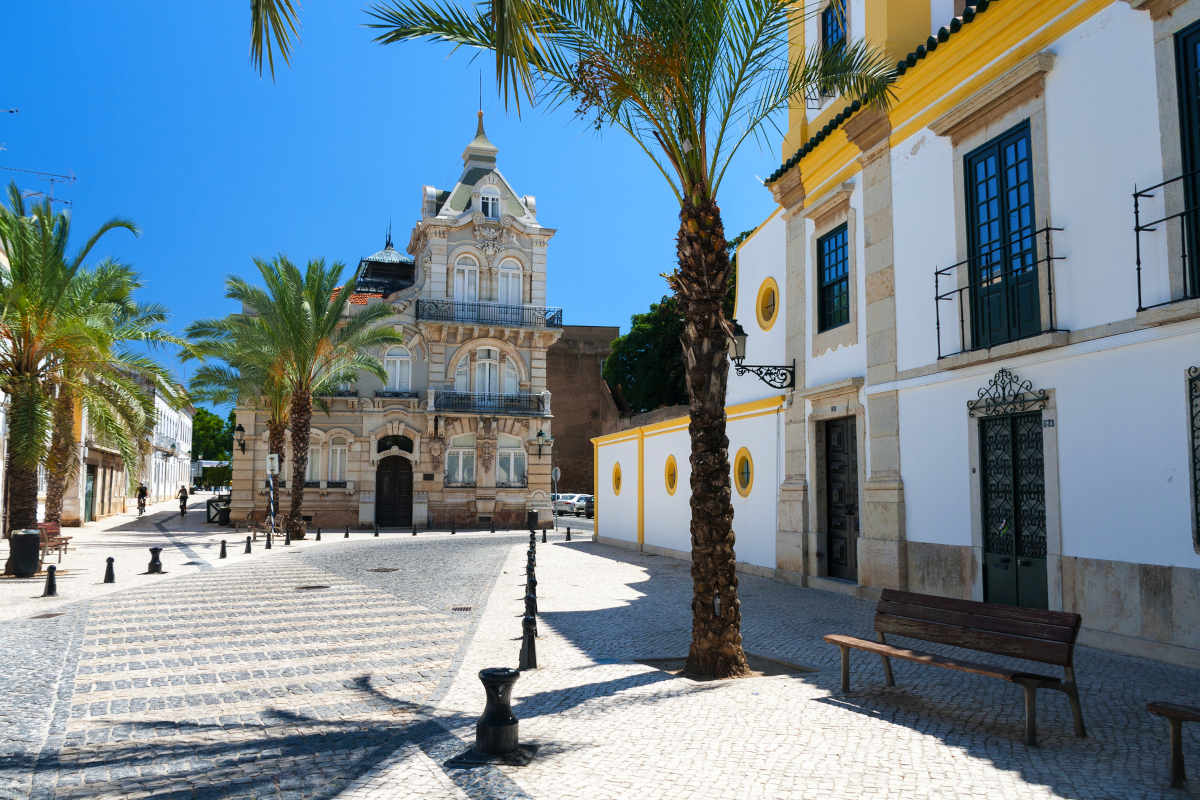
716,649
276,441
22,502
58,464
301,421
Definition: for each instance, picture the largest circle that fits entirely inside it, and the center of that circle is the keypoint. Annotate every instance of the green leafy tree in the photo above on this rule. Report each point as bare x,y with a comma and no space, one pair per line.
212,437
689,81
302,339
647,363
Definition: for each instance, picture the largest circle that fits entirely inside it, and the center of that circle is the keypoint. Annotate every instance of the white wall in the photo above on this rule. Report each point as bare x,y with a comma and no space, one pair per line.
668,518
760,257
940,14
754,517
618,514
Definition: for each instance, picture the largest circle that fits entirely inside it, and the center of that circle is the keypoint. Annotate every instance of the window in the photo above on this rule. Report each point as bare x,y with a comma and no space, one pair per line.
833,261
510,461
487,371
337,459
616,478
460,376
512,382
313,475
671,476
1000,238
743,472
388,442
833,25
466,279
460,460
508,290
490,203
398,365
768,304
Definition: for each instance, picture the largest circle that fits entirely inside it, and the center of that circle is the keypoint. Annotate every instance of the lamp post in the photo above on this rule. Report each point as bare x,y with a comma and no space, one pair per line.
783,377
239,437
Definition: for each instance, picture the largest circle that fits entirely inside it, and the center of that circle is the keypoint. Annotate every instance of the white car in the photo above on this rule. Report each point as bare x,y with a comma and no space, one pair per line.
565,503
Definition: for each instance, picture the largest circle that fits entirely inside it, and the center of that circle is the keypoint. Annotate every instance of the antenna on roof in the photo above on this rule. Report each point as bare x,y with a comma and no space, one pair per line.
388,243
481,90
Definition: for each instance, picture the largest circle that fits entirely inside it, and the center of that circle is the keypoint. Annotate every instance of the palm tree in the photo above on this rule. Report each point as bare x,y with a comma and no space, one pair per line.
303,335
40,330
690,81
109,381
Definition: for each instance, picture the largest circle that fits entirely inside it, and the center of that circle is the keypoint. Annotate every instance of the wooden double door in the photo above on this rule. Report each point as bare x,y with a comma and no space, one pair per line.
841,498
394,493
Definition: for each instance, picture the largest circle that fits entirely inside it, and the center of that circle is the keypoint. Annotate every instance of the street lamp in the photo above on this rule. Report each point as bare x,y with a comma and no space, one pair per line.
776,377
543,441
239,436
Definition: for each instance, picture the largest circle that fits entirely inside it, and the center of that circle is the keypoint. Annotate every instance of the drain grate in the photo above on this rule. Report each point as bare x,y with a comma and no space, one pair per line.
309,588
48,616
461,608
384,569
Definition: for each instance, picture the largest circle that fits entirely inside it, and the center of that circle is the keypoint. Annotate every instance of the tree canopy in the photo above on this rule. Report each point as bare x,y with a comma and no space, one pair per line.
212,437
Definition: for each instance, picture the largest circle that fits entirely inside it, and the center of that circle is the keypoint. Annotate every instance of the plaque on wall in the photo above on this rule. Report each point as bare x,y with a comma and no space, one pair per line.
366,497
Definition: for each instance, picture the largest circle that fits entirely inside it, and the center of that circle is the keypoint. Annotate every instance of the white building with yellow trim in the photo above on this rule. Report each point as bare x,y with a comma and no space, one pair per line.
994,315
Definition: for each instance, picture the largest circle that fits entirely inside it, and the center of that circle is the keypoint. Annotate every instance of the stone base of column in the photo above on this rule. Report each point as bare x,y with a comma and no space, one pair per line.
882,555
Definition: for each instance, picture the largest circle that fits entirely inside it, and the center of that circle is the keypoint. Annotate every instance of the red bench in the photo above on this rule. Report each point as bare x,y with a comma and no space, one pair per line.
52,539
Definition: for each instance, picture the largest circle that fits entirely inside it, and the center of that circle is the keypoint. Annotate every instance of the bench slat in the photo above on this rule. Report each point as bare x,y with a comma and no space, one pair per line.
973,639
1185,713
1061,618
1031,630
934,660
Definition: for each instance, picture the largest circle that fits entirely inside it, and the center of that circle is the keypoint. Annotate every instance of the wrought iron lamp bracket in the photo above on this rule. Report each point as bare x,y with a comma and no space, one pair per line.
776,377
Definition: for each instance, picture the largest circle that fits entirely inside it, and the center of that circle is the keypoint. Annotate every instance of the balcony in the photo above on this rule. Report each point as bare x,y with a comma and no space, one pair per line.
518,483
453,484
1182,228
514,405
497,314
404,395
1002,296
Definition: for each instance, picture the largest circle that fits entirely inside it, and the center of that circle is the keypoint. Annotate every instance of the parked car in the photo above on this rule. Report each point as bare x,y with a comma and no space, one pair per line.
565,503
585,506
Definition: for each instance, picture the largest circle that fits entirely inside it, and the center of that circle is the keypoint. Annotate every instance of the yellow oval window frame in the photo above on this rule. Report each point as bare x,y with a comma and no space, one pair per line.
769,288
743,457
671,475
616,478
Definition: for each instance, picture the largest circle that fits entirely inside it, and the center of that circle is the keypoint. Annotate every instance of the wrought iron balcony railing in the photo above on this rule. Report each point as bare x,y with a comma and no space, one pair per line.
447,481
1003,295
406,395
312,484
518,483
489,313
1182,236
519,405
335,485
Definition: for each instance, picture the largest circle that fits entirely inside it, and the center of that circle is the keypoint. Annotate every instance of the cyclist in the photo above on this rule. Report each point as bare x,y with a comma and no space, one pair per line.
183,498
141,498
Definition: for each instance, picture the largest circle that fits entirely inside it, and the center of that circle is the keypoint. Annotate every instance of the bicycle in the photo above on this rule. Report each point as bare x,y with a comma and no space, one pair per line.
141,506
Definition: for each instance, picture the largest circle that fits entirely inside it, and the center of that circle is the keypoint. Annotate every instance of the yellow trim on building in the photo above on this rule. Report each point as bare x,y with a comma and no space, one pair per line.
671,475
641,488
768,286
595,486
743,457
768,405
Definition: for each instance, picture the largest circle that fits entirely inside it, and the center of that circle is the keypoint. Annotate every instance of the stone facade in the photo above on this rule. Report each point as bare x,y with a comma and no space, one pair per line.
581,400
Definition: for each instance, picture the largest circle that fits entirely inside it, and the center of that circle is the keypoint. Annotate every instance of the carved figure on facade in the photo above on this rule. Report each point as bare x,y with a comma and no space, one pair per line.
437,451
492,240
485,453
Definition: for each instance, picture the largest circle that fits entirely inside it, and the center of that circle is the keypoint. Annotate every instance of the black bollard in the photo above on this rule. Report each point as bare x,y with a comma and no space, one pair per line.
493,524
51,585
287,536
347,536
528,642
224,554
270,536
318,533
110,575
568,534
543,537
496,730
376,530
414,528
453,528
247,546
155,567
531,584
530,604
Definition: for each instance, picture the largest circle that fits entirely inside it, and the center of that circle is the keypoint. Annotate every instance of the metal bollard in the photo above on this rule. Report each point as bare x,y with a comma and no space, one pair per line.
318,533
155,567
224,554
453,529
530,603
287,536
543,537
414,528
496,729
493,524
528,643
270,536
110,575
376,530
347,536
568,534
51,585
247,546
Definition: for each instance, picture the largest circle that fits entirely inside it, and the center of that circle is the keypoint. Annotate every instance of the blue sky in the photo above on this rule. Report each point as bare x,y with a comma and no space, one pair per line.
155,109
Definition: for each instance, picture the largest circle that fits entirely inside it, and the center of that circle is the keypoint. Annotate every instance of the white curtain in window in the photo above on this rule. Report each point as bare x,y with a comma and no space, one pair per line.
510,466
337,460
460,465
509,289
466,281
460,377
398,365
512,383
314,463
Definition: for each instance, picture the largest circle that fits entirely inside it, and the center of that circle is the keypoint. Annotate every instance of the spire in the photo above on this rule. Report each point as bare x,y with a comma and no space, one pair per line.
480,148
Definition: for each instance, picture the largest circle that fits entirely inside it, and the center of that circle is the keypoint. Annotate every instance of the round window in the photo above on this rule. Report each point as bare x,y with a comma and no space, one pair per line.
617,478
768,304
671,475
743,472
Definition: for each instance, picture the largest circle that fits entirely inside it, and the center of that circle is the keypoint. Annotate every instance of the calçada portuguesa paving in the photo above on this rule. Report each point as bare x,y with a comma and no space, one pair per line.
226,679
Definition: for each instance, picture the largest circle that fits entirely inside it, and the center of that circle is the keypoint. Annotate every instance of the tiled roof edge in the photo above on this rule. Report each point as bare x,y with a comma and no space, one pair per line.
944,33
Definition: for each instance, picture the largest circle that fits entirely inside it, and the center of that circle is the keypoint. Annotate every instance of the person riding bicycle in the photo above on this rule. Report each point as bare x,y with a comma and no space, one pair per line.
183,498
142,494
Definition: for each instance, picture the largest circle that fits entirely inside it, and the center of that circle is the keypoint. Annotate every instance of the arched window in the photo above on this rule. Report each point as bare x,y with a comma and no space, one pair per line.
337,459
313,474
510,462
388,442
489,201
508,289
460,460
487,371
398,365
461,383
512,381
466,279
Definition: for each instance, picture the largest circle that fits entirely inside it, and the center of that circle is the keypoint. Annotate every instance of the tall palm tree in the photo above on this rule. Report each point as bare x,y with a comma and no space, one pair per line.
303,334
39,331
113,382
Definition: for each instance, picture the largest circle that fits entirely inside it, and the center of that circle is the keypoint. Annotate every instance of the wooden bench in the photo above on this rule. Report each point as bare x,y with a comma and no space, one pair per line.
1176,715
1032,634
251,526
52,539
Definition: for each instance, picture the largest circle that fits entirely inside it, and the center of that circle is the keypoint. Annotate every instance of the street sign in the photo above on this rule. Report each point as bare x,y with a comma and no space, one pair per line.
555,474
273,464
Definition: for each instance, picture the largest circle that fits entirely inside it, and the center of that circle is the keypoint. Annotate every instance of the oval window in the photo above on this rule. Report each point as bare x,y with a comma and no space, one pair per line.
617,478
768,304
671,475
743,472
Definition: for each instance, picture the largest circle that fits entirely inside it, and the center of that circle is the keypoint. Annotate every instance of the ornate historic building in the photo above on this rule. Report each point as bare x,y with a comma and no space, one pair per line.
452,435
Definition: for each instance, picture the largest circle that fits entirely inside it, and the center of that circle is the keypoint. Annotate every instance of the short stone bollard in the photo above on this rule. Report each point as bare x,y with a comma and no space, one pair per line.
155,567
270,536
568,534
496,729
51,584
247,546
347,536
110,574
528,642
224,552
318,533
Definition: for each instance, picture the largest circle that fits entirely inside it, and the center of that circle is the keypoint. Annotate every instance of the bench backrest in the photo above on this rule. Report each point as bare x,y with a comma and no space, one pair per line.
1029,633
49,528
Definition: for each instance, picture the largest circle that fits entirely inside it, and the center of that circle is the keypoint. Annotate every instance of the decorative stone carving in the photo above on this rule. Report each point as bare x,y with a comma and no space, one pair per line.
437,451
485,453
492,240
